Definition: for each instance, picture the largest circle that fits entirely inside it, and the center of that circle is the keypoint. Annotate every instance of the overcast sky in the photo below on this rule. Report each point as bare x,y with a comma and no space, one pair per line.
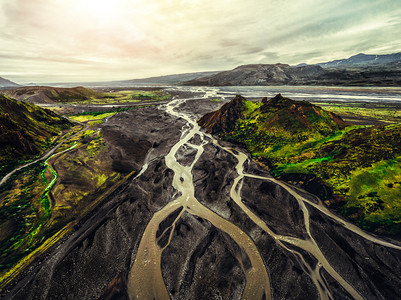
89,40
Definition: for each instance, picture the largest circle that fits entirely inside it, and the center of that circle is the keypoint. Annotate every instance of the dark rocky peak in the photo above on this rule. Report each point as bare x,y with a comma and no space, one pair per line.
280,102
223,120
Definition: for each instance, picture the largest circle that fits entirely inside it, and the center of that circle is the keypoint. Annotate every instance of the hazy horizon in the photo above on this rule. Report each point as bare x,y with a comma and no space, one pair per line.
87,40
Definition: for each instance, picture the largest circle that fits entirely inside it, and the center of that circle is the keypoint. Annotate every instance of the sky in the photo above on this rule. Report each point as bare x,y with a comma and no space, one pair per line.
101,40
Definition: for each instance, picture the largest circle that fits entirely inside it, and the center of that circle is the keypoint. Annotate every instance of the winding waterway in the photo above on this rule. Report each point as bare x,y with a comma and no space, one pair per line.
201,220
145,278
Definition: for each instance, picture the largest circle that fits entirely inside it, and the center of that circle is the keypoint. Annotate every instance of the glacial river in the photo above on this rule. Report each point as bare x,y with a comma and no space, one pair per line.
145,278
307,93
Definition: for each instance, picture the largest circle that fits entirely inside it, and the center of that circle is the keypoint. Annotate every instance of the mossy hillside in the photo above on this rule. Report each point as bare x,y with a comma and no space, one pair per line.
101,115
22,216
125,97
272,126
360,164
362,167
83,173
81,95
77,94
33,209
26,130
388,113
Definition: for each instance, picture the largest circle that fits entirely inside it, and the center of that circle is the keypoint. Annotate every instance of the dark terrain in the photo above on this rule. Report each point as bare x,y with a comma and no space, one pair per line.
308,252
44,94
283,74
26,130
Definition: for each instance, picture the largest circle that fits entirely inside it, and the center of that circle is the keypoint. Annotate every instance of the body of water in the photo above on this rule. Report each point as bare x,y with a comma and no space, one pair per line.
307,93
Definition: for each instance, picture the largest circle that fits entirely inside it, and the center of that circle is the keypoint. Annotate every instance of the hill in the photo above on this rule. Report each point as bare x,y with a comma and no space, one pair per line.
282,74
5,83
260,124
355,169
44,94
150,81
167,79
261,74
357,70
26,130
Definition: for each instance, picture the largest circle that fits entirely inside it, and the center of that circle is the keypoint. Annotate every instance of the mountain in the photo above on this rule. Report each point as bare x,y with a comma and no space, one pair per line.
362,60
44,94
282,74
158,80
26,130
5,83
279,118
260,74
168,79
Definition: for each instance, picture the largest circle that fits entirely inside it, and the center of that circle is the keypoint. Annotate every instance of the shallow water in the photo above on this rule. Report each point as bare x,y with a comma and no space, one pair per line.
307,93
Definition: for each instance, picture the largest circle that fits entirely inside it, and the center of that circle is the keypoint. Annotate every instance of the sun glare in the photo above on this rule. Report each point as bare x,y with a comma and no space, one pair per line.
99,7
101,11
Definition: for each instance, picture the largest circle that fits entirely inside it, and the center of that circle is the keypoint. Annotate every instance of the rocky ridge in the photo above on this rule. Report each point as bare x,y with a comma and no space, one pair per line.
282,74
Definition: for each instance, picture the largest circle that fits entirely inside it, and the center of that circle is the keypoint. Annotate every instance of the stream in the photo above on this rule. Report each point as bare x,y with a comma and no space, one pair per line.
145,278
201,220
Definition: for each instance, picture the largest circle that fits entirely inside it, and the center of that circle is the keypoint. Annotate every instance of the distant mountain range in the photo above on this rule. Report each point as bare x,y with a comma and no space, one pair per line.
158,80
361,69
260,74
5,83
281,74
362,60
168,79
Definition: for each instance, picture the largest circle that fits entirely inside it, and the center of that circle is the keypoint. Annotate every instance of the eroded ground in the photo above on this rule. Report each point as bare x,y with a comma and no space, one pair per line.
196,219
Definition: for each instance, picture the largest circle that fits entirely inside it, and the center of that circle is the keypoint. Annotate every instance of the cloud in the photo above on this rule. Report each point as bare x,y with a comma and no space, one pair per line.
123,39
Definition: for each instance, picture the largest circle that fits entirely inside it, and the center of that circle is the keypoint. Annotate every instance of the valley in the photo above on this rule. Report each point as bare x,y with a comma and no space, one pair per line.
139,202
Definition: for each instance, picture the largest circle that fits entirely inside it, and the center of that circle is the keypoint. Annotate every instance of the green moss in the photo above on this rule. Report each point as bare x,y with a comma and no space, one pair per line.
27,130
92,116
360,163
385,113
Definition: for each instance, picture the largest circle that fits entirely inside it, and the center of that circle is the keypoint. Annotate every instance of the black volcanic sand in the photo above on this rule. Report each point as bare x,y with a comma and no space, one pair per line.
201,261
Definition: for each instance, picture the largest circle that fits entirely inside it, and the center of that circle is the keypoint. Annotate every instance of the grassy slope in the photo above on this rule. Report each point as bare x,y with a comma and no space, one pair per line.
361,164
81,95
26,130
32,209
40,204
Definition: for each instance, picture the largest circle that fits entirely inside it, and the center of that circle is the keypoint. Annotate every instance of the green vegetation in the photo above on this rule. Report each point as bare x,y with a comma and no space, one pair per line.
125,97
91,117
100,115
22,216
71,95
361,164
81,95
42,202
36,202
385,113
26,130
